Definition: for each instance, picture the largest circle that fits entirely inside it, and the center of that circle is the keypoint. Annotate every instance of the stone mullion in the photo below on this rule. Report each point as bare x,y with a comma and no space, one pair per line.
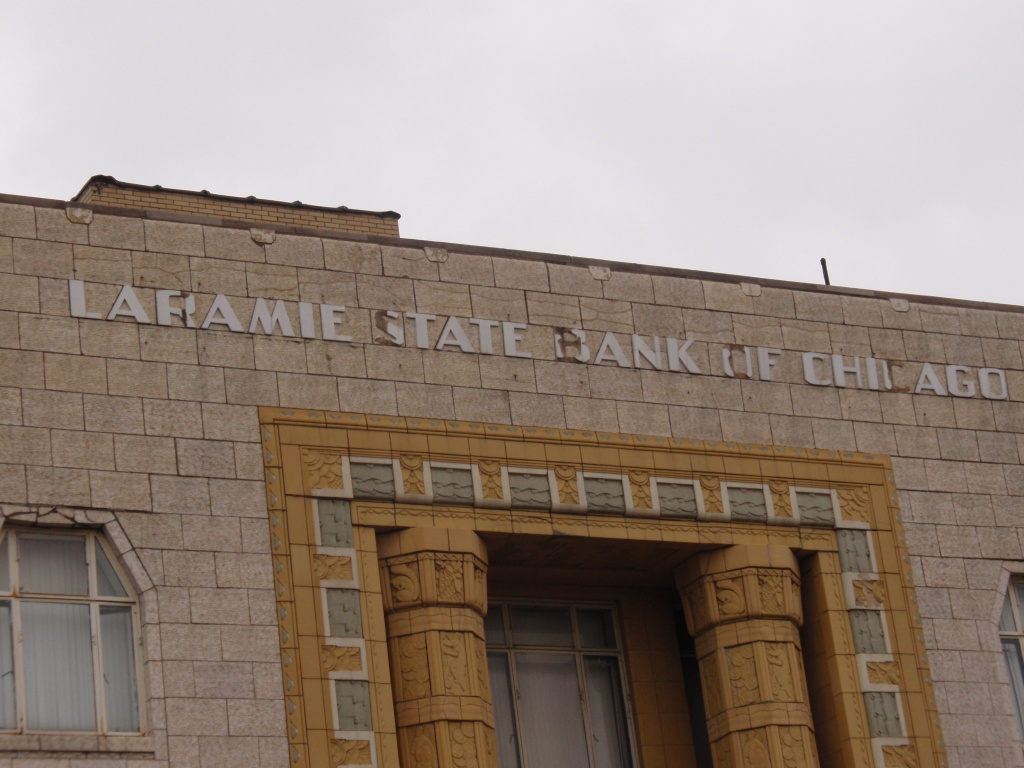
744,611
434,599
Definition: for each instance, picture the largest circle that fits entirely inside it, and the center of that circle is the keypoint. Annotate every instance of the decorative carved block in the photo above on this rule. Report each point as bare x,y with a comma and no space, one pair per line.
372,481
677,499
853,502
711,684
883,714
565,480
335,517
854,550
901,756
640,487
771,591
341,658
883,672
754,749
345,752
712,491
452,485
868,635
780,498
422,746
605,494
412,474
816,508
463,744
413,668
451,587
780,672
324,469
343,613
404,582
455,664
530,491
869,594
353,699
490,479
743,685
332,568
747,503
730,599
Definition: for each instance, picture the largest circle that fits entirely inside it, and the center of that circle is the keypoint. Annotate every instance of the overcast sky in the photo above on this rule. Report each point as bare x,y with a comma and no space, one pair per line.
743,136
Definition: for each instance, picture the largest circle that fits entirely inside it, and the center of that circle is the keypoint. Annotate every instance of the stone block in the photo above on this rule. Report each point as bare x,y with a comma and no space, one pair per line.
321,286
43,259
537,410
6,254
205,458
591,414
168,345
606,315
219,605
296,251
708,326
425,400
58,485
243,570
348,256
227,349
82,450
746,428
230,422
74,373
255,718
274,353
189,569
180,495
507,373
104,413
307,391
272,281
408,262
251,387
120,490
455,368
368,396
232,245
110,340
250,644
19,293
557,311
54,224
443,299
394,363
172,237
17,220
562,378
103,265
21,369
238,498
197,717
467,268
41,408
385,293
117,232
194,382
13,485
335,359
11,407
172,418
644,419
574,281
521,274
138,453
161,271
473,404
218,276
229,679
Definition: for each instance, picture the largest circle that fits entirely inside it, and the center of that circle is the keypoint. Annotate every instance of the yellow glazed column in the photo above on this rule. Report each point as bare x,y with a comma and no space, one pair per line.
435,596
743,609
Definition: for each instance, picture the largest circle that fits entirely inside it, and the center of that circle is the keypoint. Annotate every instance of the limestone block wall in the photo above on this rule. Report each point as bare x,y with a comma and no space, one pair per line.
158,422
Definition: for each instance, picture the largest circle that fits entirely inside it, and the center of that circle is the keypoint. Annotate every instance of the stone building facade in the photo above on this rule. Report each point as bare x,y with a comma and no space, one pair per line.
276,496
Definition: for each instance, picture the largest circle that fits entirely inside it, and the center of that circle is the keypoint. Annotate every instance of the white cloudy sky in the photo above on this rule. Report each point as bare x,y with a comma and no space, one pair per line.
742,136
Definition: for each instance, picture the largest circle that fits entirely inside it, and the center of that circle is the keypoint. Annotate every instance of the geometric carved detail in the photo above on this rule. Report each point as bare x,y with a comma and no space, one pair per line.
568,491
754,749
869,594
729,596
372,481
640,485
422,746
780,498
450,585
452,484
854,504
770,588
463,745
332,568
816,508
883,673
413,668
677,499
490,478
747,503
345,752
404,581
605,494
780,672
341,658
412,474
454,664
323,468
899,757
530,490
742,675
712,494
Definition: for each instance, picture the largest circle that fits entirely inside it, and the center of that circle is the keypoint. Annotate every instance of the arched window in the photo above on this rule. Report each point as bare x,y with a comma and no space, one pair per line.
68,635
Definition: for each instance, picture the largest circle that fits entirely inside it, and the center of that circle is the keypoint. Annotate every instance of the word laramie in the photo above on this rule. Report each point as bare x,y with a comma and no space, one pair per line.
477,336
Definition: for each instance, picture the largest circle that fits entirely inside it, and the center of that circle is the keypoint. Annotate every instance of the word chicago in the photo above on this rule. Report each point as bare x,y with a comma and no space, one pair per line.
478,336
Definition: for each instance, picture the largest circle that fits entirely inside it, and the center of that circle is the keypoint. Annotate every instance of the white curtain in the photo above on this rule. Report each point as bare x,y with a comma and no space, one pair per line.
504,716
607,716
53,565
59,690
119,669
551,711
8,706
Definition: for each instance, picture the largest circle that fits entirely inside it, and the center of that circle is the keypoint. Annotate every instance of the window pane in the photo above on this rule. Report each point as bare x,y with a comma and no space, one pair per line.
1019,586
494,625
5,564
504,714
107,582
119,669
550,711
8,708
607,713
53,565
596,630
1006,619
1015,668
59,691
541,626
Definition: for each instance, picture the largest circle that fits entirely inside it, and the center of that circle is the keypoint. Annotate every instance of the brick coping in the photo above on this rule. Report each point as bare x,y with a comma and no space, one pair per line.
507,253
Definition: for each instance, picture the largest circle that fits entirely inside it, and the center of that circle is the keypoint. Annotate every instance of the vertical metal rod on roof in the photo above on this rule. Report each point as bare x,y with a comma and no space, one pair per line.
824,271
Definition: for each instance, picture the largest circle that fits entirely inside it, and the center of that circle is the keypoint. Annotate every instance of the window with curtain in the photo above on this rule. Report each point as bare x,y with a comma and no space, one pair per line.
68,621
557,686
